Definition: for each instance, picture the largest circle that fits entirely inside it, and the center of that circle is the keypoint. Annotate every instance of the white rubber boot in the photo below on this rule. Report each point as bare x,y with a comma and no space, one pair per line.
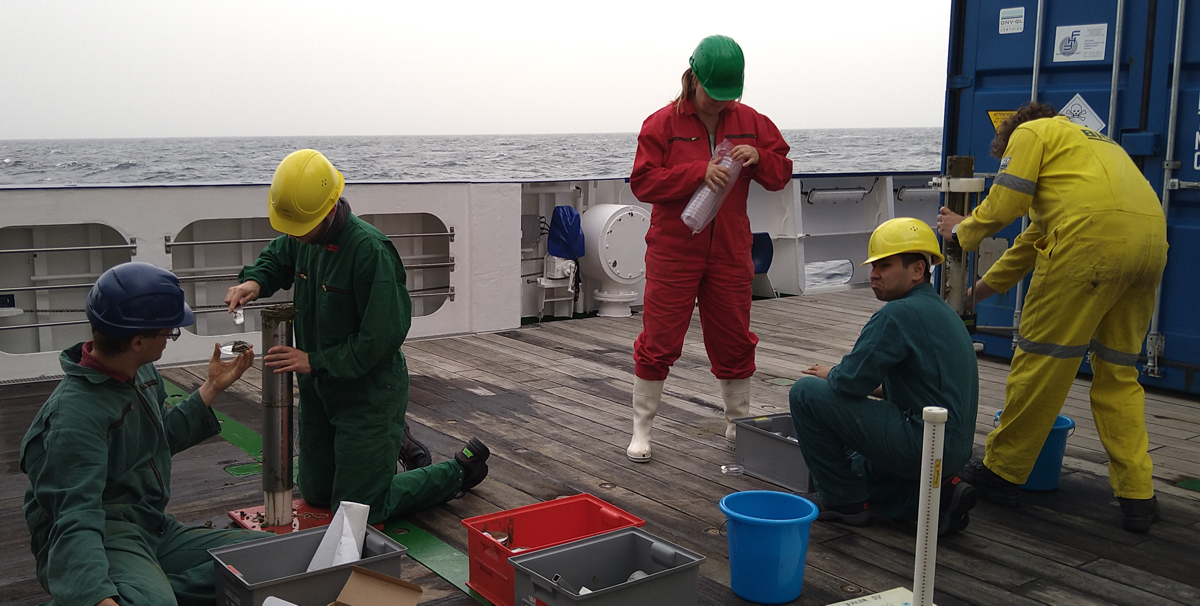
736,393
646,396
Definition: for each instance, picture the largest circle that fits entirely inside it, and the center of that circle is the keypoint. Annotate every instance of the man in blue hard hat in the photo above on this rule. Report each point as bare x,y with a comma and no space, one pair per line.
98,455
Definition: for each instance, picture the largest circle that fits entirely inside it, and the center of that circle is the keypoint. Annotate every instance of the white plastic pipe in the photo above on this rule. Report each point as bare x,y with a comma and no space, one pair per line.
931,498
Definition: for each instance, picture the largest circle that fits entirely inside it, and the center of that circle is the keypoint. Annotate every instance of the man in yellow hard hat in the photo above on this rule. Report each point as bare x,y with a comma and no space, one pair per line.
353,312
1097,247
914,352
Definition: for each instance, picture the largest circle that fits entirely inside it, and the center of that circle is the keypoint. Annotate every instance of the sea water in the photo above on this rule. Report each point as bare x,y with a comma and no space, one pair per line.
425,158
438,158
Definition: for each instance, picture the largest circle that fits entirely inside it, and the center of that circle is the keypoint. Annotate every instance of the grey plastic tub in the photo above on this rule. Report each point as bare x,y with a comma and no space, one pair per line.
248,573
604,565
767,449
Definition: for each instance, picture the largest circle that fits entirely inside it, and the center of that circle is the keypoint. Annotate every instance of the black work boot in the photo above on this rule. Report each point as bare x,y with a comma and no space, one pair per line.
850,514
473,458
993,487
954,511
413,454
1139,513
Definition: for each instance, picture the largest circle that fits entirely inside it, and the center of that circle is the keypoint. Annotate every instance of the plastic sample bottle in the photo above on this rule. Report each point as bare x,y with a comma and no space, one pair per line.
705,203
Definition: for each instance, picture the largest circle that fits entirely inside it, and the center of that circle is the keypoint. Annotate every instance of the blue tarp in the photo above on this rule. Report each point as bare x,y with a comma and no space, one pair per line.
566,234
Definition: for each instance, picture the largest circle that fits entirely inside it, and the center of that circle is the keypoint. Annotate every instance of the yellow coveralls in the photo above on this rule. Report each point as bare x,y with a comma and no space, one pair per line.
1097,244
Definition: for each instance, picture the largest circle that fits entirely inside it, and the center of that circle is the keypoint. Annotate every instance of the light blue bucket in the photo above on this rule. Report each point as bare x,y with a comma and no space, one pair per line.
768,542
1048,467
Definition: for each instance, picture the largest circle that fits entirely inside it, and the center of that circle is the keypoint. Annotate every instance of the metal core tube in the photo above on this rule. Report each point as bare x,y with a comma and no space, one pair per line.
277,420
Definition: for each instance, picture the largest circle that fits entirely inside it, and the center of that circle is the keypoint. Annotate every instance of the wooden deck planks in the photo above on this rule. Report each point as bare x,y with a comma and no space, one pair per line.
551,401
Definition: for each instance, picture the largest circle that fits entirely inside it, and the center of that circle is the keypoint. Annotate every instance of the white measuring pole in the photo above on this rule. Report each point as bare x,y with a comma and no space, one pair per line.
931,498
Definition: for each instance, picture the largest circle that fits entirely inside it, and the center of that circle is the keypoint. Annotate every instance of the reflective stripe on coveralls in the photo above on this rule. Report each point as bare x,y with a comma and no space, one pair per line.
714,266
353,312
1097,247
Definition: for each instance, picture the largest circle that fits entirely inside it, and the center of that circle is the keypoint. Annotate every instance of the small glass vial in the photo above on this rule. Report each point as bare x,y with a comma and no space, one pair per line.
239,317
732,470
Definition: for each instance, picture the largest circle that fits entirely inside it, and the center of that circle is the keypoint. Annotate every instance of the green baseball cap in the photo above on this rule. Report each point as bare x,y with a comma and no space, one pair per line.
719,65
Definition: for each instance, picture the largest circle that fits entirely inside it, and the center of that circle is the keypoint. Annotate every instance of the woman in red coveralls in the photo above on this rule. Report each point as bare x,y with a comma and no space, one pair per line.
713,267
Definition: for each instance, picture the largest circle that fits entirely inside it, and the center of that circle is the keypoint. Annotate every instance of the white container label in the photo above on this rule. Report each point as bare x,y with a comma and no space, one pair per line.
1012,20
1080,42
1196,157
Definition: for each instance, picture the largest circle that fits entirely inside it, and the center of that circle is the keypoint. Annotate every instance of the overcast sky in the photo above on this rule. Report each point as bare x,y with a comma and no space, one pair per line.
155,68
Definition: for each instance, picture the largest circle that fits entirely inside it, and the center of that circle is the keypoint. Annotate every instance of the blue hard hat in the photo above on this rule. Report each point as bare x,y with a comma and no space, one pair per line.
132,298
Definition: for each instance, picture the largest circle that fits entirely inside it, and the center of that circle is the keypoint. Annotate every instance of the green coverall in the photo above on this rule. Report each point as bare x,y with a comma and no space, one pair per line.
352,314
918,349
1097,245
98,456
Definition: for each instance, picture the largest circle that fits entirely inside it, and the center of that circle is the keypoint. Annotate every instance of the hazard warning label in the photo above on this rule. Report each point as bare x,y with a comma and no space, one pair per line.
1079,112
999,116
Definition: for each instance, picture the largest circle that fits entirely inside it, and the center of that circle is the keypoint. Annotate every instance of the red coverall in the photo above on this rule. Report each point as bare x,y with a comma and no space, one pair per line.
713,266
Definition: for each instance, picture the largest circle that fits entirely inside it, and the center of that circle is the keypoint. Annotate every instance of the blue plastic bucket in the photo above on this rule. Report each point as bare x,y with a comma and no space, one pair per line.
768,542
1048,467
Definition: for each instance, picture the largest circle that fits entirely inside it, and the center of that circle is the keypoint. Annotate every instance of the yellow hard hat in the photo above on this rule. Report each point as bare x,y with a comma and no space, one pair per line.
903,235
305,187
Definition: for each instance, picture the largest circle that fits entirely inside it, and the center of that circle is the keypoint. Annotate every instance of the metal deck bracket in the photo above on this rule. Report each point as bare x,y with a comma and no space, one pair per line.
957,184
1155,344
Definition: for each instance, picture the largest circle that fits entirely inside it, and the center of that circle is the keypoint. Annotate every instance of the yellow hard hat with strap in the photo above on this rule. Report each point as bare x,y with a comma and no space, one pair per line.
903,235
305,187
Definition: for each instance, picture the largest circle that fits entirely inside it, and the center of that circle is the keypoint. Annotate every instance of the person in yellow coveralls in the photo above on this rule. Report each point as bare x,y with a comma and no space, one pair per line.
1097,246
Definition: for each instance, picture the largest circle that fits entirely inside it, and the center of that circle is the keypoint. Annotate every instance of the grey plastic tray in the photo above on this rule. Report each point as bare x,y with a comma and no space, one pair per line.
766,449
604,565
275,566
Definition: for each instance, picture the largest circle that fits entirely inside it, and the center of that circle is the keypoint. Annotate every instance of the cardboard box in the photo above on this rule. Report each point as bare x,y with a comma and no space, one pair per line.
369,588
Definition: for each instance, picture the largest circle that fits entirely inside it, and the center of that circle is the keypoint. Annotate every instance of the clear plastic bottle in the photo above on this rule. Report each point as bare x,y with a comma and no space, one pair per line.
705,203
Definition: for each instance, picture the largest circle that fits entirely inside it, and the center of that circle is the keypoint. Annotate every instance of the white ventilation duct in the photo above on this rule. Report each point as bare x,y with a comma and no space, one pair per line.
615,254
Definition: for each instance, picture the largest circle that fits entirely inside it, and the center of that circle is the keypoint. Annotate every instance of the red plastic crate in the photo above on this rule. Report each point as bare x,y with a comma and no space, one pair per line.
529,529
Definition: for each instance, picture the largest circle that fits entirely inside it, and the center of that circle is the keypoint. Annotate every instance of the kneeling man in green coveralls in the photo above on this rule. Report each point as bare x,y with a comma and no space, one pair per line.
353,312
865,454
98,455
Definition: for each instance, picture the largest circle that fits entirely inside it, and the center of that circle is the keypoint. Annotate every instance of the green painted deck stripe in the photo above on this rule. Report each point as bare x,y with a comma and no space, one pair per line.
444,560
233,432
1190,484
241,471
252,469
241,436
